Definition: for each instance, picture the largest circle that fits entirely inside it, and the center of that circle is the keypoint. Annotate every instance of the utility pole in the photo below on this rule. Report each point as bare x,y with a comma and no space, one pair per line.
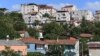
82,50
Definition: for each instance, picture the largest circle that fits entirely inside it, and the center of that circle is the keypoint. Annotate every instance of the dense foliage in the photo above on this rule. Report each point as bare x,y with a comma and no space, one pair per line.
10,23
35,54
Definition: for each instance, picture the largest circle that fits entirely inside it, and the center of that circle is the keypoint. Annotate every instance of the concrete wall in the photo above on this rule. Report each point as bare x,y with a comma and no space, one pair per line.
23,49
94,52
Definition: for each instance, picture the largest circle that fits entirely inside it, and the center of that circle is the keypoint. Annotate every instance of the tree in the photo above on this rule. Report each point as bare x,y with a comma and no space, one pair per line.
19,26
35,54
53,28
33,32
46,15
18,21
6,26
55,50
36,22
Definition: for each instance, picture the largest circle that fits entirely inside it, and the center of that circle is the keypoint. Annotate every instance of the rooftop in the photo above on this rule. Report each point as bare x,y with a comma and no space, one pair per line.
86,35
29,4
94,44
67,6
62,11
45,7
69,41
11,43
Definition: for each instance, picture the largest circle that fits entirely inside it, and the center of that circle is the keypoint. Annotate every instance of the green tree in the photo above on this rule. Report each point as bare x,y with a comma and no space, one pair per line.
33,32
18,21
6,26
36,22
46,15
53,28
35,54
55,50
19,26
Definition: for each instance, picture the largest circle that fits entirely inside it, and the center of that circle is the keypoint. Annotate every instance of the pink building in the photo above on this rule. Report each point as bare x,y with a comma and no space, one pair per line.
14,45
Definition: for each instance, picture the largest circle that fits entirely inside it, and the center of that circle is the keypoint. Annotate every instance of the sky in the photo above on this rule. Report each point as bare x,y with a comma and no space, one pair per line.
80,4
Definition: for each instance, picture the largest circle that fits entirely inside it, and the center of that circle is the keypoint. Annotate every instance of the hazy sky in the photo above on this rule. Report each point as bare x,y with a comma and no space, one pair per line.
81,4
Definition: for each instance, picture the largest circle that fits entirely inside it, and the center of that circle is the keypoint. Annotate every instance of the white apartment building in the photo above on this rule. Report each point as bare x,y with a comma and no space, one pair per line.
63,16
32,12
97,15
47,9
79,14
29,8
69,8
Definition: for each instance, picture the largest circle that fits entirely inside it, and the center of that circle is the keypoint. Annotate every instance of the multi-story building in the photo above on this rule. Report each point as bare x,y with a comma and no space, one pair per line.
29,8
63,16
46,9
97,15
69,8
79,14
32,12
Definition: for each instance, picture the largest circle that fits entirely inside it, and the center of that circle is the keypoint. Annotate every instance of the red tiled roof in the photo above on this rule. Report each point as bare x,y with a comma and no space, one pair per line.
86,35
70,41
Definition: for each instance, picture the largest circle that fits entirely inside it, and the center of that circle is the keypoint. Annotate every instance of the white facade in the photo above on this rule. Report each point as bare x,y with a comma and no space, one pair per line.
28,8
94,48
47,9
78,15
77,48
97,15
69,8
63,16
32,12
94,52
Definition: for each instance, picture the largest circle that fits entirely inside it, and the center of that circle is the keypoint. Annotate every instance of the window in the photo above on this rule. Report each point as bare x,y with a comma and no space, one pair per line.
32,9
63,14
63,17
39,46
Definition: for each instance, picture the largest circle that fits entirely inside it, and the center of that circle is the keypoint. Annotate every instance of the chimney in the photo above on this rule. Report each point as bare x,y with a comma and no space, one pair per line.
7,38
40,35
57,39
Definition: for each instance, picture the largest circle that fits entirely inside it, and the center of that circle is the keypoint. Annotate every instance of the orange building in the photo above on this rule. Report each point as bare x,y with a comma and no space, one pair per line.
14,45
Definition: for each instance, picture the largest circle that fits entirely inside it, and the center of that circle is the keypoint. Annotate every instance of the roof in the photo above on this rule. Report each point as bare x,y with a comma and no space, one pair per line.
70,41
30,4
94,44
62,11
3,9
11,43
97,11
86,35
21,32
45,7
67,6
